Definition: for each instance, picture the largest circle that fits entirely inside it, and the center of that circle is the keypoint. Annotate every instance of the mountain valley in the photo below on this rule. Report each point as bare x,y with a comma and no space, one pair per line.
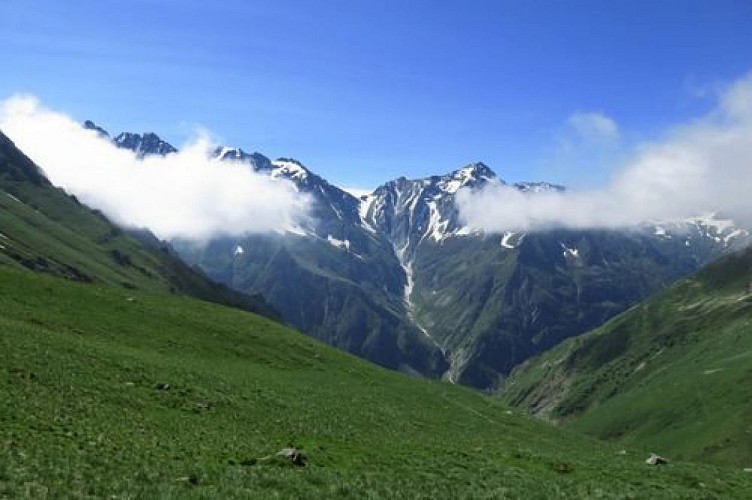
375,250
117,381
396,276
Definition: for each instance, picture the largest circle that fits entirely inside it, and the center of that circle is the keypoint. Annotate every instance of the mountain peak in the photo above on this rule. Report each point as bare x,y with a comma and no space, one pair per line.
290,168
475,170
259,162
469,175
147,144
90,125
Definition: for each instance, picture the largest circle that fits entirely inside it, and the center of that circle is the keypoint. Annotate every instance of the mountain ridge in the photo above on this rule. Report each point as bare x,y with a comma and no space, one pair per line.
476,304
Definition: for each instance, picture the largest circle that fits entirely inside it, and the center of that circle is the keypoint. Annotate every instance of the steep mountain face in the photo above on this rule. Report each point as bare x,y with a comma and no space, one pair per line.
397,278
492,301
45,230
672,373
331,276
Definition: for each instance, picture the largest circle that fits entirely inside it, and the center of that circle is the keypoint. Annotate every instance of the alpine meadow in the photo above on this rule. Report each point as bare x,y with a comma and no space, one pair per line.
283,249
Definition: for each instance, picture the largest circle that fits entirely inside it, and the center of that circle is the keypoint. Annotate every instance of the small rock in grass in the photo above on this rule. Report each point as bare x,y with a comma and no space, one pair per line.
621,452
654,459
162,387
747,469
294,455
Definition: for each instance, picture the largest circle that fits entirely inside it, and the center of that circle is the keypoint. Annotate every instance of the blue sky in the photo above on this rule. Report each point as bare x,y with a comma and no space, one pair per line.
365,91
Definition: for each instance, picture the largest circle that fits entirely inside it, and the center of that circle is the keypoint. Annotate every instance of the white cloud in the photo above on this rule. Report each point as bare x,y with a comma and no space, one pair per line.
594,126
704,166
187,194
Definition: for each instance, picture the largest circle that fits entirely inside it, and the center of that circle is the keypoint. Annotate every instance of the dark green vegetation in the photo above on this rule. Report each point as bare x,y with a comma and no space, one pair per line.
353,302
494,307
673,374
84,412
44,229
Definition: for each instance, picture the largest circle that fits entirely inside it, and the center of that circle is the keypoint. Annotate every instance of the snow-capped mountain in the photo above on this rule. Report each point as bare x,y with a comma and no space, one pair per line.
490,301
395,277
411,211
333,277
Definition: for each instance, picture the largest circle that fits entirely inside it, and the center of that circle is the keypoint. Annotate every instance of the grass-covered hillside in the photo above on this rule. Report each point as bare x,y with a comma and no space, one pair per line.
673,374
44,229
113,393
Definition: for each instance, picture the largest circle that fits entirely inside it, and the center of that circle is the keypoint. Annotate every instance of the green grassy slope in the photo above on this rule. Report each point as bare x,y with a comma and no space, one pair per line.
674,373
44,229
81,414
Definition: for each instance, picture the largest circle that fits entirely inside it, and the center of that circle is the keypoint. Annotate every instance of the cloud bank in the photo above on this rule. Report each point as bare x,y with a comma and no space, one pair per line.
186,194
701,167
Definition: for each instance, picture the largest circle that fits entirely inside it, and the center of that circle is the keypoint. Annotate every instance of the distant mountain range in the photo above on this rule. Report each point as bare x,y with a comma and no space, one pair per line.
395,277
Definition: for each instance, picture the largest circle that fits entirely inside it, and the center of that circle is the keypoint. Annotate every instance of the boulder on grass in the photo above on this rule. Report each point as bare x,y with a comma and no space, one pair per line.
294,455
654,459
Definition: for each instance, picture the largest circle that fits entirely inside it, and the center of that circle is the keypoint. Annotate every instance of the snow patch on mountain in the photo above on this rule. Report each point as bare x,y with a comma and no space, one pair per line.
570,251
437,227
344,244
364,208
294,230
407,267
506,239
706,226
228,153
289,169
712,224
452,182
736,233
